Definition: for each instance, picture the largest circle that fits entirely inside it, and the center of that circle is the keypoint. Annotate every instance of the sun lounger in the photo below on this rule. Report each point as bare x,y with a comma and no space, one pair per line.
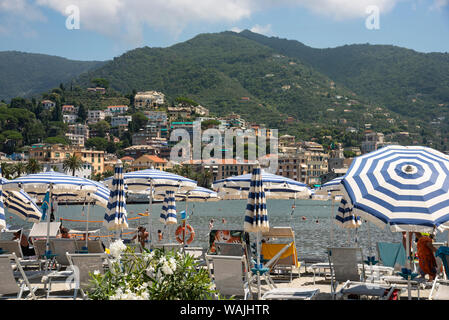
60,248
277,239
8,283
391,254
345,264
291,294
230,275
13,246
440,290
83,265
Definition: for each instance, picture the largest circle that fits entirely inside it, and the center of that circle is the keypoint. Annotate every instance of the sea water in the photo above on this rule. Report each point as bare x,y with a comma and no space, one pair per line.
311,220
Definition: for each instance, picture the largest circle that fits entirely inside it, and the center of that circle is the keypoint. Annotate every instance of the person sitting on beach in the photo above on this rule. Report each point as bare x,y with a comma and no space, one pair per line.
142,236
426,255
64,233
24,244
159,235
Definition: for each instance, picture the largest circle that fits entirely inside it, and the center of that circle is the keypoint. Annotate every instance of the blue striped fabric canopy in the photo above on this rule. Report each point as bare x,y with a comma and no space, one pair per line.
168,213
21,204
333,185
274,185
2,207
115,217
101,196
345,217
62,184
256,217
406,188
162,181
198,194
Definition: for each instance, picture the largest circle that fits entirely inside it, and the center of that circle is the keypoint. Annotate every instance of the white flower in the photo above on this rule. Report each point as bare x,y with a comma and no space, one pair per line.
96,272
116,248
166,269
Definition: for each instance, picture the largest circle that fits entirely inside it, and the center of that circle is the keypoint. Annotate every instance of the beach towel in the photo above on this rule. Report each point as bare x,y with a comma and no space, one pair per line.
391,254
269,250
427,261
443,253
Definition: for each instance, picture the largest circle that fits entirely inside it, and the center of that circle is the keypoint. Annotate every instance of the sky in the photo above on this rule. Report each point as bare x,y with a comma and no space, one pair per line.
104,29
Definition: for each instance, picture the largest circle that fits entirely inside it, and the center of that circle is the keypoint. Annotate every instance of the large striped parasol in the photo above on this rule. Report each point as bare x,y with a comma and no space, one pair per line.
345,217
168,213
160,181
256,215
405,188
21,204
275,186
115,217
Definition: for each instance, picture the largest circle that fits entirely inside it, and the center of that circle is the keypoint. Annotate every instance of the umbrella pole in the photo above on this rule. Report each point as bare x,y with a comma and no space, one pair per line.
47,245
408,265
331,240
258,265
87,221
150,208
184,224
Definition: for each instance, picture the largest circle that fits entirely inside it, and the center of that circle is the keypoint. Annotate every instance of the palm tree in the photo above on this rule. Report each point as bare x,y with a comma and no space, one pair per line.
72,163
33,166
19,168
6,170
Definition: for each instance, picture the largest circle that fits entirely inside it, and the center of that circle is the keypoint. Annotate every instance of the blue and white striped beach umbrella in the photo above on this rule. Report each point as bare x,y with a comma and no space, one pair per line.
168,213
198,194
333,185
115,217
161,181
406,188
2,207
345,217
62,184
256,217
21,204
275,186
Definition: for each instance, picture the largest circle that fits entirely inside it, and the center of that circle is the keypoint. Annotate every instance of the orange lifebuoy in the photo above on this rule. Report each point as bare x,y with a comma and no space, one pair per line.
189,232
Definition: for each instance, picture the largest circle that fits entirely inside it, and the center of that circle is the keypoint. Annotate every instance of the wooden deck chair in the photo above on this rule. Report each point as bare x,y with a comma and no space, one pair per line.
230,275
83,266
8,283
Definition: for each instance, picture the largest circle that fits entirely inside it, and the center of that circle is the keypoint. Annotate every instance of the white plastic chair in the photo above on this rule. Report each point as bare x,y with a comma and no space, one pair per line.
230,275
8,283
83,265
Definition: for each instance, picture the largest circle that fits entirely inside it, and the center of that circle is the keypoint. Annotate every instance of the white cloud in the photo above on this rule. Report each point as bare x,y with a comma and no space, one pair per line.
126,18
439,4
265,30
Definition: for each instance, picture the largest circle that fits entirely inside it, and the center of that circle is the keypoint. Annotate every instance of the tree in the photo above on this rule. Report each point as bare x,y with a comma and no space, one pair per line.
33,166
72,163
19,168
82,113
6,170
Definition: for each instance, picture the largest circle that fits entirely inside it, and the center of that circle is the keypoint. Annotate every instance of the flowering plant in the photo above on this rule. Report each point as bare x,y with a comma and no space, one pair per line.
155,275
